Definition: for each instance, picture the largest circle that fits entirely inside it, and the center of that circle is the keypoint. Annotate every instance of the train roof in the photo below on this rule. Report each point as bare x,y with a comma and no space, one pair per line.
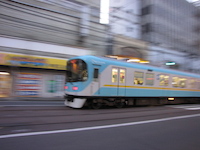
106,60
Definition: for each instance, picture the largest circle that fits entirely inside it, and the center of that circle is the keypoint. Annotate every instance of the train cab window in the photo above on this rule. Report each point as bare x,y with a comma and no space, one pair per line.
114,75
138,78
122,76
163,80
76,70
96,73
149,78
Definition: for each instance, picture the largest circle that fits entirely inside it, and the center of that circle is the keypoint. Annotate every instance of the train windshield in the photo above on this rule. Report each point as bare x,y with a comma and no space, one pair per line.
76,70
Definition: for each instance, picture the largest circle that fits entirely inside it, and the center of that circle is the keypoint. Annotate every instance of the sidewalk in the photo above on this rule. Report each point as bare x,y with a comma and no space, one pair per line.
32,98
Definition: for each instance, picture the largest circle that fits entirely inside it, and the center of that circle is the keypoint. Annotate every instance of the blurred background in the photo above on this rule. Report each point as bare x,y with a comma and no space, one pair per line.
37,37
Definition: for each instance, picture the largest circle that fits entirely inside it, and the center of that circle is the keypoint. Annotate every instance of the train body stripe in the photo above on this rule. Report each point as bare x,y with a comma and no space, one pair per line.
156,88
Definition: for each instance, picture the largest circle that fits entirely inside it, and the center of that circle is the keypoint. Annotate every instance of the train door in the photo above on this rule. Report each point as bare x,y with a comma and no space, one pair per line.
121,82
95,87
118,81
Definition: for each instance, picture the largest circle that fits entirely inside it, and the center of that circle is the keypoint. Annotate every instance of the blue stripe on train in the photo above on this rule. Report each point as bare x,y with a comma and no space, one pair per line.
146,93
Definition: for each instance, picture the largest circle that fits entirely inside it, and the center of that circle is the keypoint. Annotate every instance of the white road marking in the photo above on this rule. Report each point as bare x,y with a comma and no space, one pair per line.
97,127
192,108
187,107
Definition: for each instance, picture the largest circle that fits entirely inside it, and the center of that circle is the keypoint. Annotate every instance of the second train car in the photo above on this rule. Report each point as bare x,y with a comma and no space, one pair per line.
96,81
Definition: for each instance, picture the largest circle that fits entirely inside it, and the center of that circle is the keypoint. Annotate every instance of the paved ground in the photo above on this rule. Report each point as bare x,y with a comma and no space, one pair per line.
173,127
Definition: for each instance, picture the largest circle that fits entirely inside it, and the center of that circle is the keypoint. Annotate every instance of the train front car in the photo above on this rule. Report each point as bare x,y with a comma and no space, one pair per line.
98,81
77,81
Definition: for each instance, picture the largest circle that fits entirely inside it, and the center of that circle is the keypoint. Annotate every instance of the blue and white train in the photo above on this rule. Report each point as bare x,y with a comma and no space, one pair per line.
97,81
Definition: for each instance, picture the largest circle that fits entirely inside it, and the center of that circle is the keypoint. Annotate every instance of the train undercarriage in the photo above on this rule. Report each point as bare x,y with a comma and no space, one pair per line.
119,102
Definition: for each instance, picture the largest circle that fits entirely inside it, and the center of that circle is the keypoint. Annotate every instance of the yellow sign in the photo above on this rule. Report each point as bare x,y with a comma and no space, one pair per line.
32,61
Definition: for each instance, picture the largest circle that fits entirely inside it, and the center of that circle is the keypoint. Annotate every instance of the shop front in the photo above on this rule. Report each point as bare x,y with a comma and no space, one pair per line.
31,76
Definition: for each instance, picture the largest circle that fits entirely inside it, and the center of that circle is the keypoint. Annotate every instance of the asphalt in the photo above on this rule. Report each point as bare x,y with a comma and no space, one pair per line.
148,128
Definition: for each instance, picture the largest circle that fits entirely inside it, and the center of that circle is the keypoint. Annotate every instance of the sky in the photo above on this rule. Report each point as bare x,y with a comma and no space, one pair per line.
104,9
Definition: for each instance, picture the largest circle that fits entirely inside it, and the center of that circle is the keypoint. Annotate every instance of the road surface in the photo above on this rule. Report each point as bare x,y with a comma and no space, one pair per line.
56,127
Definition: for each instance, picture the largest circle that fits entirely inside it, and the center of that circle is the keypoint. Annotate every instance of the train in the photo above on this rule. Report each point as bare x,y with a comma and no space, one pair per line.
96,81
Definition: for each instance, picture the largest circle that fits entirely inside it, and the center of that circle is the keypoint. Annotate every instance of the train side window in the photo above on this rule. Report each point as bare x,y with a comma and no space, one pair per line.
175,81
198,84
114,75
179,82
138,78
191,83
182,82
122,76
164,80
96,73
149,78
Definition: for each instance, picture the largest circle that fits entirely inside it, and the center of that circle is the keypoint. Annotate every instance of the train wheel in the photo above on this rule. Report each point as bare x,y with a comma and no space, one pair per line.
96,104
119,103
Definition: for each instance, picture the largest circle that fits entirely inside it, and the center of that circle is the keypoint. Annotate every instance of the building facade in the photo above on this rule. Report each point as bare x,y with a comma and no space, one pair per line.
36,39
125,28
125,18
170,27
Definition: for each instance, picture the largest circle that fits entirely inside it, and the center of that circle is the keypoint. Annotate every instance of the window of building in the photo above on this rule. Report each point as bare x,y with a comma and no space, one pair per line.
164,80
122,76
146,28
114,75
138,78
146,10
149,78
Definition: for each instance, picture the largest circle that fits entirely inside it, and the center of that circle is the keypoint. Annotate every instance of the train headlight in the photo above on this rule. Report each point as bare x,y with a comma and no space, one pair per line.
74,88
171,98
66,87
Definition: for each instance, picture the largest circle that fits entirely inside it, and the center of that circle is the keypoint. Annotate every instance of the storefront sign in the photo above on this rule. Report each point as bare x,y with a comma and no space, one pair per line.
32,61
28,84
